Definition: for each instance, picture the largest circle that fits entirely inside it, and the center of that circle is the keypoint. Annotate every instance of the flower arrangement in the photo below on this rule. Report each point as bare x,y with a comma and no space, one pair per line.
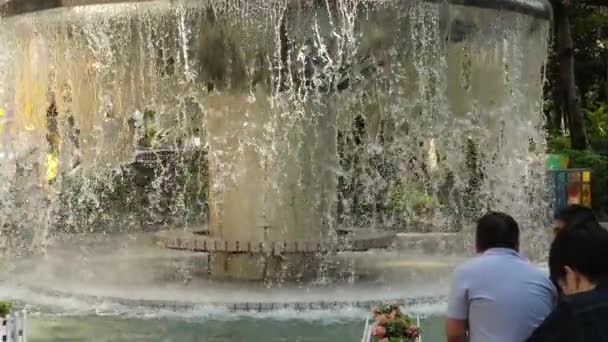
390,325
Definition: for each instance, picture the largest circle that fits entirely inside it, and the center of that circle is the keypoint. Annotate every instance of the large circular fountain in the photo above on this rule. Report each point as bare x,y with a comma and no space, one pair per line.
264,140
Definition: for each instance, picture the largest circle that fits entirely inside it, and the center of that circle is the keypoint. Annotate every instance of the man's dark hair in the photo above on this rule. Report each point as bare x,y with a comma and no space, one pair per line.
576,215
496,230
583,248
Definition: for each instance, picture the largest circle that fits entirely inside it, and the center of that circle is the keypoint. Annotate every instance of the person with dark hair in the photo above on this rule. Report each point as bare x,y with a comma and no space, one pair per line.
497,296
496,230
578,262
573,215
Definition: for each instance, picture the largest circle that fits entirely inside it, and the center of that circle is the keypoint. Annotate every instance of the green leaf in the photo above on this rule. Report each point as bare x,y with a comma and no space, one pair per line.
5,307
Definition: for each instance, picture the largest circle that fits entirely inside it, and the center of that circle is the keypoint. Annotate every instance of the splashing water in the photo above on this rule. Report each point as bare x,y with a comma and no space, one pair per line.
266,120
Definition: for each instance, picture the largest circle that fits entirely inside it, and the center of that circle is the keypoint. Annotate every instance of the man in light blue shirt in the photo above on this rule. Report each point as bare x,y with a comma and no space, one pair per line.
497,296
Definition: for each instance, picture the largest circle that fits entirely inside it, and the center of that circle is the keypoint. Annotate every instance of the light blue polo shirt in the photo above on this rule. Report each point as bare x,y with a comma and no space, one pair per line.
502,295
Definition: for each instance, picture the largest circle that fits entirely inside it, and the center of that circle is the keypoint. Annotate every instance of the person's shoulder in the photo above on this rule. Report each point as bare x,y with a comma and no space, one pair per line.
535,274
594,300
536,271
483,262
470,266
538,279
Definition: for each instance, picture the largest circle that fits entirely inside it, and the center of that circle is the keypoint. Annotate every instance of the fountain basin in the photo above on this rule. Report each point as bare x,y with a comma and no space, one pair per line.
306,118
139,273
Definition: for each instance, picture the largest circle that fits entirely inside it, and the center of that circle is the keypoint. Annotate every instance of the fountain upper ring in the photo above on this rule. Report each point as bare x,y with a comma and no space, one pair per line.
537,8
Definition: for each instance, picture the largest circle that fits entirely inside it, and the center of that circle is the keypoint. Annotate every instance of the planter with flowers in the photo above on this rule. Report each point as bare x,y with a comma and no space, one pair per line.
389,324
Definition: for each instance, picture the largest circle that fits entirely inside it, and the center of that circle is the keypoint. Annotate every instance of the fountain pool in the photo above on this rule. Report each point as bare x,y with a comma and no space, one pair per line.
174,166
56,329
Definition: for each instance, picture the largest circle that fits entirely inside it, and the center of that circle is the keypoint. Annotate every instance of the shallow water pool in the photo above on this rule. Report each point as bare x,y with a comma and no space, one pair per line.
55,328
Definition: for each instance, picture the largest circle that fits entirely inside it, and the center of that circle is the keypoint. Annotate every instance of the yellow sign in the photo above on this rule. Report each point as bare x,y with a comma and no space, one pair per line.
586,195
586,176
1,122
52,164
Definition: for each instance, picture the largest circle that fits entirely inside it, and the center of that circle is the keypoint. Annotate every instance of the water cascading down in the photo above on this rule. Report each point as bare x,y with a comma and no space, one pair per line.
289,129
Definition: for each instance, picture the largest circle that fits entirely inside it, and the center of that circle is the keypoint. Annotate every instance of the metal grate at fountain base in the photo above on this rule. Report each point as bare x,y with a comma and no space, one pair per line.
242,307
349,240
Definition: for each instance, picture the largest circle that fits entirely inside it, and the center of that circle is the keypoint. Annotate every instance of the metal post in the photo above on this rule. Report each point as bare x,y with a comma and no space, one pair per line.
3,329
24,325
418,325
366,331
19,328
9,328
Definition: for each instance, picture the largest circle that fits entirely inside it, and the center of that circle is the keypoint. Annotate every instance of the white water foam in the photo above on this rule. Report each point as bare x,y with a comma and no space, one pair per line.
43,304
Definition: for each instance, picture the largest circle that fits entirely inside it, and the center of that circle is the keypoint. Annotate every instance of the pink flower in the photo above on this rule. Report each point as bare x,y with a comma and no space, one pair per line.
411,332
379,331
381,319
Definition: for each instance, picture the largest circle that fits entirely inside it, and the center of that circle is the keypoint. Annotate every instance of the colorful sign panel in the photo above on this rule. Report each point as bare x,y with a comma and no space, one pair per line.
570,186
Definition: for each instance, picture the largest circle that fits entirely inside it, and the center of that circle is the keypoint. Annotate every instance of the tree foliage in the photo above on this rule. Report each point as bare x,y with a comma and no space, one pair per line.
589,34
588,26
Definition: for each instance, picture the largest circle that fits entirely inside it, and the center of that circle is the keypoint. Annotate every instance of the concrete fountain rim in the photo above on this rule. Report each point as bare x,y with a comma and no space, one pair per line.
34,289
231,306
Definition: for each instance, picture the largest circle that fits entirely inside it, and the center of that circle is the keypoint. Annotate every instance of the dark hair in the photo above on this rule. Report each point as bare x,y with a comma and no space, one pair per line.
496,230
583,248
576,214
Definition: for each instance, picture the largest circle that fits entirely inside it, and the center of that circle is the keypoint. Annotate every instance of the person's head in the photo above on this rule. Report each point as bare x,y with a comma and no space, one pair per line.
578,259
496,230
573,215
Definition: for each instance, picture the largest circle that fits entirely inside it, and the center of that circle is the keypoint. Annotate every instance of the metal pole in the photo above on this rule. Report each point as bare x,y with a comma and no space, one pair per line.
418,324
23,332
3,330
366,331
10,328
24,326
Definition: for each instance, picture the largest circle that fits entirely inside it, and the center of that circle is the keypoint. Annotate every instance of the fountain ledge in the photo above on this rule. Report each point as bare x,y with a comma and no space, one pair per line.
262,306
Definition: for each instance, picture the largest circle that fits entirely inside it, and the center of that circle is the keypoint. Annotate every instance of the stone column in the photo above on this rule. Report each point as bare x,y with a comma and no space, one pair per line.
271,180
